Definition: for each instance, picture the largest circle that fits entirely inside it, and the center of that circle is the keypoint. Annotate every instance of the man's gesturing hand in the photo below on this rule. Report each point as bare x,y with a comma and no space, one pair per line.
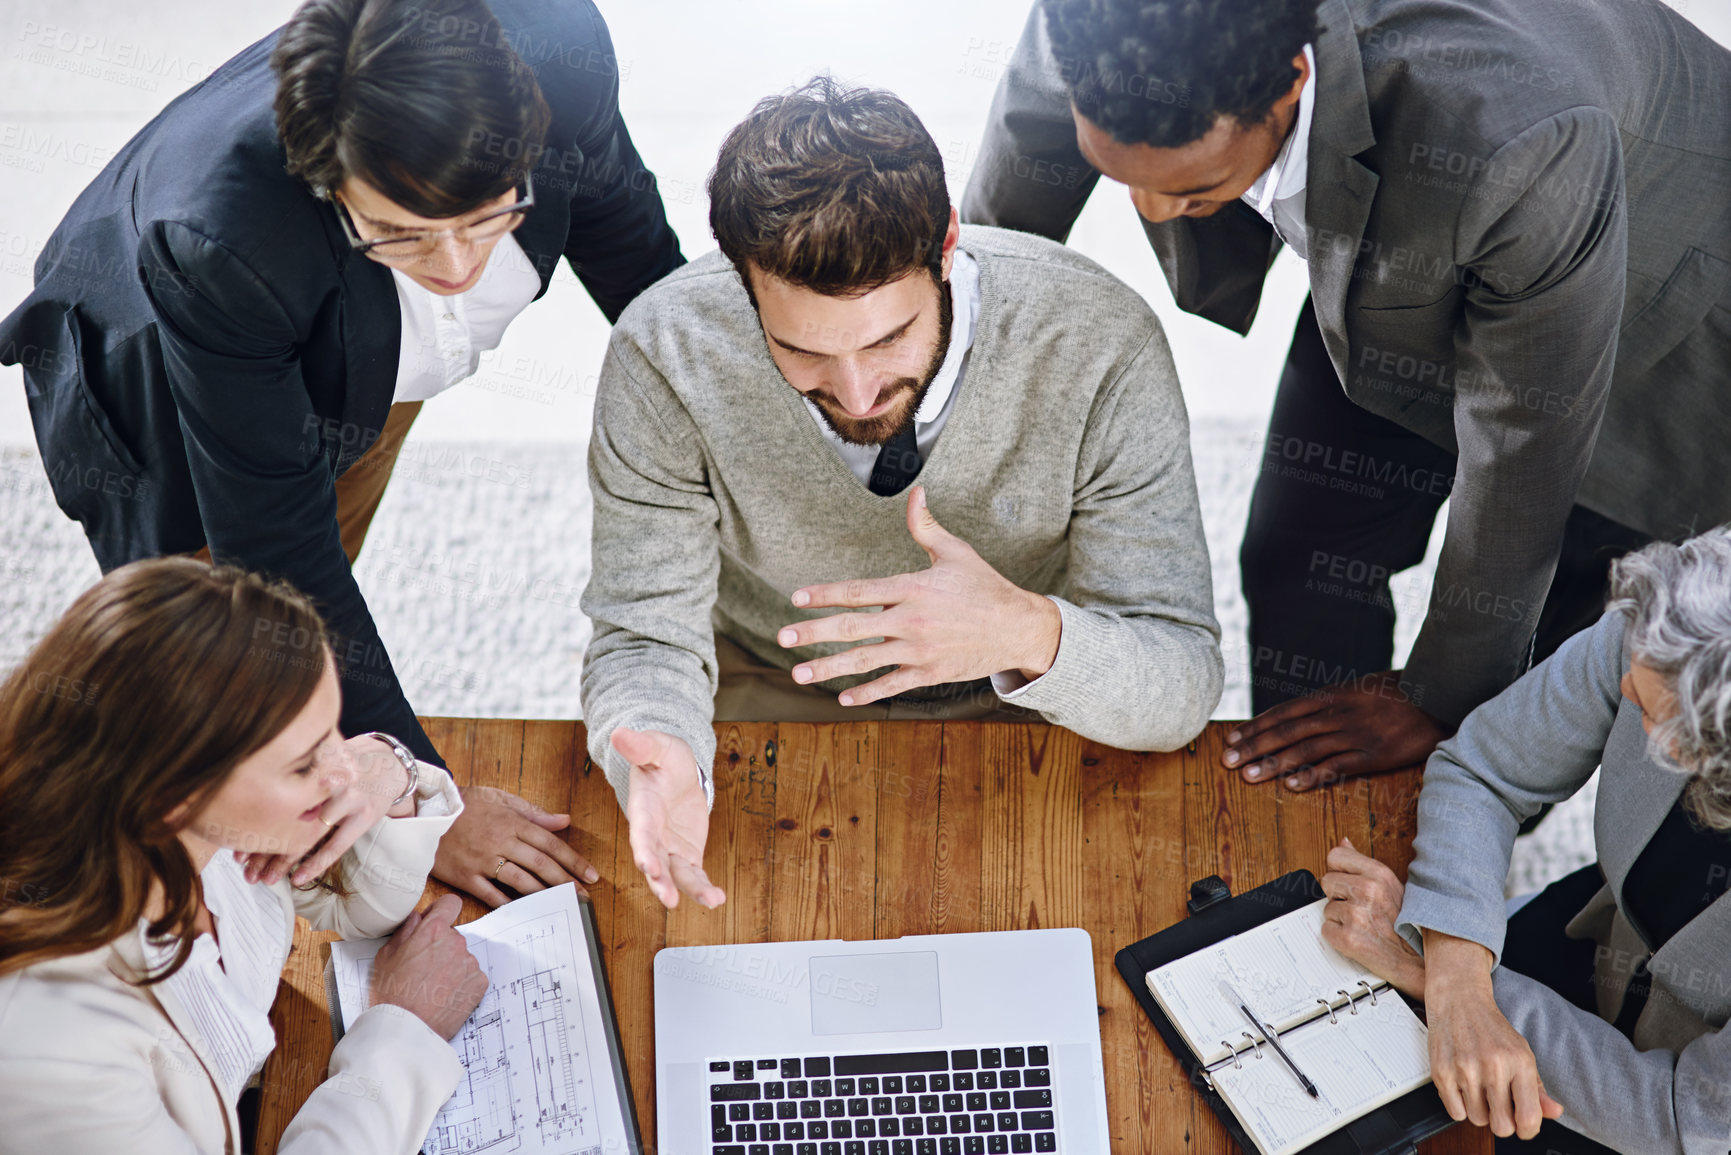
668,815
1360,727
955,622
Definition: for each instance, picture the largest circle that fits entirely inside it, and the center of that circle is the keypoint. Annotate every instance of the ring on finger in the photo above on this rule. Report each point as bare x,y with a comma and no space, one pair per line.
498,868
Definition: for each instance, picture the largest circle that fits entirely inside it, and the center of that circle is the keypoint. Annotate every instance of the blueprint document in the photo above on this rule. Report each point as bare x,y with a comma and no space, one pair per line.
539,1075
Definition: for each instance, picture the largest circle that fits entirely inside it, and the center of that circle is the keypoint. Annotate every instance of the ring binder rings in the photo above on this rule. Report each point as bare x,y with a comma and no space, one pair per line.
1395,1128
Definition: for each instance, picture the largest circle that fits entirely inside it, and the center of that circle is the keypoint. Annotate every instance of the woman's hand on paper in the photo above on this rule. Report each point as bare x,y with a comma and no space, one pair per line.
427,969
669,816
1482,1067
1364,900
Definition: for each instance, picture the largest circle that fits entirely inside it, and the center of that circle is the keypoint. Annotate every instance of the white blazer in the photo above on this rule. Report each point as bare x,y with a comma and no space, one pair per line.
91,1063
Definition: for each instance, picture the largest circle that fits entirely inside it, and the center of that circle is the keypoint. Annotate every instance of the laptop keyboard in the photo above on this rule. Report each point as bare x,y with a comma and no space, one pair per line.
973,1101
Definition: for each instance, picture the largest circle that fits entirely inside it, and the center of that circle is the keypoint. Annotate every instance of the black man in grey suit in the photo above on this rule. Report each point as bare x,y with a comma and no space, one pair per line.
1518,234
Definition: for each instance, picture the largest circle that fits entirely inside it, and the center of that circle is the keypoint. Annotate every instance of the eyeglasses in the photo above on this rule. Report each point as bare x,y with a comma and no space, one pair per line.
407,246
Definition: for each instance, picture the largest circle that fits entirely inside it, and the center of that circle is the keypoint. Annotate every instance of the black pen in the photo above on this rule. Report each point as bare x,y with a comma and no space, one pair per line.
1271,1035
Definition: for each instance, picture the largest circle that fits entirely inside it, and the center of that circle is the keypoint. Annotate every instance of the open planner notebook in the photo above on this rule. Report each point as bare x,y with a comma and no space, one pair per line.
1346,1029
542,1072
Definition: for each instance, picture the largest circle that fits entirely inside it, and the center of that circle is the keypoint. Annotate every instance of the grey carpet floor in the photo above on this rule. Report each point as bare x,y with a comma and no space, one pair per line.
480,551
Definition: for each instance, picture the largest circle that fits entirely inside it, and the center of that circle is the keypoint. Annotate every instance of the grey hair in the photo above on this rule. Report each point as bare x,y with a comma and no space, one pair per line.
1678,602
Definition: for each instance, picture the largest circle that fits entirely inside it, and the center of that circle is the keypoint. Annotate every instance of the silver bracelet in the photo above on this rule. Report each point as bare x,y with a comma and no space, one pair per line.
409,763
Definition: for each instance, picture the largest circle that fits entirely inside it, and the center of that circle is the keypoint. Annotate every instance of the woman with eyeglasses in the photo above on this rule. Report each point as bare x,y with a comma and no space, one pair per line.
177,718
1589,1018
235,324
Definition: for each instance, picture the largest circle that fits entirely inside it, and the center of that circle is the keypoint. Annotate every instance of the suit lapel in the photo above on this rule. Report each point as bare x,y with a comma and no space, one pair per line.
1341,189
1630,808
1635,797
1693,967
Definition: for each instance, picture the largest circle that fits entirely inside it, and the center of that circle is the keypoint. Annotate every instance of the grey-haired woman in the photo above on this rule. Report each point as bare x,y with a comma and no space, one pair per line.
1589,1019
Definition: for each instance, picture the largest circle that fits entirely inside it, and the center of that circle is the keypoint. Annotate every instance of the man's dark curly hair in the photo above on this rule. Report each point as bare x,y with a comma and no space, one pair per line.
1161,72
835,189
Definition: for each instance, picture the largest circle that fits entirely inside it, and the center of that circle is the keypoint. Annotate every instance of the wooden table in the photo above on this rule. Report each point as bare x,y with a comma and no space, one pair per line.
873,830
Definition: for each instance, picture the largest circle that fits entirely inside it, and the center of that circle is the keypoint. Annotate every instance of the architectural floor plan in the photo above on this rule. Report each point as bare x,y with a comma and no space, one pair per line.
538,1079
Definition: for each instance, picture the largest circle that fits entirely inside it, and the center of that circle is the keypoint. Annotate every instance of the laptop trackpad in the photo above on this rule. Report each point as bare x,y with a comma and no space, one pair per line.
863,993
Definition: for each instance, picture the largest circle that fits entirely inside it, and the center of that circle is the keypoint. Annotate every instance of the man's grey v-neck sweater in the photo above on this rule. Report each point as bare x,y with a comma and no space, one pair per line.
1065,464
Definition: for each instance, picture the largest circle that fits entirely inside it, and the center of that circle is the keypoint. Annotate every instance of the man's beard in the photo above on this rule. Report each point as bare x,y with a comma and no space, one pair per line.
880,430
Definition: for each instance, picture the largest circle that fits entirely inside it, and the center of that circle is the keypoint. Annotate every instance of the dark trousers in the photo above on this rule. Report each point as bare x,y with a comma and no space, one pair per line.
1535,946
1317,557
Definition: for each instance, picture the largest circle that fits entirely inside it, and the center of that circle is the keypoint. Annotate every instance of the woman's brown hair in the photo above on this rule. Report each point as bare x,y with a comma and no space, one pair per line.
424,100
156,683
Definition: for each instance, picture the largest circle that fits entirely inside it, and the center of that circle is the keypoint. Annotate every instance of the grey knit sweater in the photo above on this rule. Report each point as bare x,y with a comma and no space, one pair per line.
1065,463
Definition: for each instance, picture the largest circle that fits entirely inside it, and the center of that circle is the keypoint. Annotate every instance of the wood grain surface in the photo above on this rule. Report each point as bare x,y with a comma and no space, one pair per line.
880,829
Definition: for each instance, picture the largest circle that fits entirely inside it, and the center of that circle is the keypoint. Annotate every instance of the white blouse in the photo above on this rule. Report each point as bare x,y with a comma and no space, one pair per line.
444,337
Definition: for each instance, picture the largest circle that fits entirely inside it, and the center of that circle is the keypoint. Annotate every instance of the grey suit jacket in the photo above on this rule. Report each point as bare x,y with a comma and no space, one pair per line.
1538,742
1519,219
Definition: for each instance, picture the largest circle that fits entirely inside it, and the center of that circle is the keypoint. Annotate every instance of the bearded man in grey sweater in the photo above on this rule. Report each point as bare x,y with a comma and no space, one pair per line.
762,417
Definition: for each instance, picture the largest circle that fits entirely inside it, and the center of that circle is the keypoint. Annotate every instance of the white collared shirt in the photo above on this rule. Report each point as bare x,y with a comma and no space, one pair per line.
940,398
444,337
1278,194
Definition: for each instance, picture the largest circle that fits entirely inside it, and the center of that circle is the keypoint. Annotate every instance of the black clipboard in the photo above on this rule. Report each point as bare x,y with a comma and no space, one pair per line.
1395,1128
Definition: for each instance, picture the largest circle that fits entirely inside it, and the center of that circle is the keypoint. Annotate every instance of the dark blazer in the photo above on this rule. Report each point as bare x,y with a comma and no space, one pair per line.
1520,249
204,354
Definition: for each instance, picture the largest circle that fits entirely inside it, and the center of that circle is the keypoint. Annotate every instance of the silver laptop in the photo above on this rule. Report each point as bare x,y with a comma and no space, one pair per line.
953,1044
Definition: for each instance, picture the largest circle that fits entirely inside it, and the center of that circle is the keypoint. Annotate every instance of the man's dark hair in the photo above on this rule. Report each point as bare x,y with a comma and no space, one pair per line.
424,100
838,190
1161,72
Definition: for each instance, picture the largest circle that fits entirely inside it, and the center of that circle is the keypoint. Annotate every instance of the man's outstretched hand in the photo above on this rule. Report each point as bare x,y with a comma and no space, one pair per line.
1364,726
668,815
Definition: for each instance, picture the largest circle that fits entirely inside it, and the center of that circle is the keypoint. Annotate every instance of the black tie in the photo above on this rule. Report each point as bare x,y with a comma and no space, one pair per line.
897,465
